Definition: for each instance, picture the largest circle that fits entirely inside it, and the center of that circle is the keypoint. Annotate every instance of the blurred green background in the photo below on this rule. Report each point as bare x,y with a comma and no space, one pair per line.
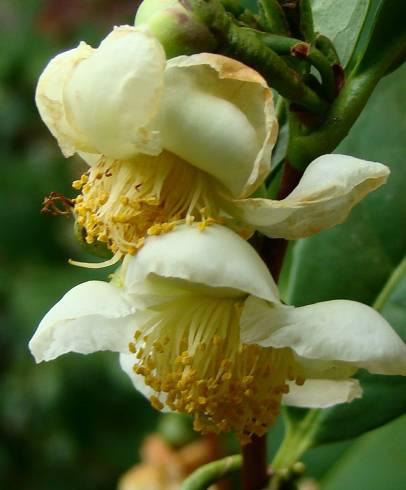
76,423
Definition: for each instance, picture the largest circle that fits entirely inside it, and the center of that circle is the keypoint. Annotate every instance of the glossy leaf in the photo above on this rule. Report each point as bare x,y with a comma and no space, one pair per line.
386,45
374,462
341,22
367,30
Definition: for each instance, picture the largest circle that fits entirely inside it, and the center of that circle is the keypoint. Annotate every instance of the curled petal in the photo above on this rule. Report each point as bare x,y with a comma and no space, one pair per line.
331,331
49,96
322,393
214,258
218,115
102,100
92,316
113,95
330,187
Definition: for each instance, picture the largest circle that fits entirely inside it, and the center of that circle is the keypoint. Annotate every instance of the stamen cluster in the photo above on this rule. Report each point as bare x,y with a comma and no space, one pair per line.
122,202
192,357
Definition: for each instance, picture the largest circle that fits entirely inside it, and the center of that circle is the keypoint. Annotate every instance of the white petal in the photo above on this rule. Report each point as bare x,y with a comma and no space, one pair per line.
90,158
49,96
216,257
316,368
92,316
322,393
112,96
330,187
218,115
340,330
127,363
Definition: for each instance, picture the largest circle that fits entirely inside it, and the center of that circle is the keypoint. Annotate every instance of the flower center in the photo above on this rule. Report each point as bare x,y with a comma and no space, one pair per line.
191,355
123,201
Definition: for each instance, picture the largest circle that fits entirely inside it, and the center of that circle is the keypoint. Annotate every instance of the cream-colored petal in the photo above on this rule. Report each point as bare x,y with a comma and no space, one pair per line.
90,158
330,369
218,115
49,96
92,316
330,187
112,96
126,364
155,290
322,393
340,330
216,257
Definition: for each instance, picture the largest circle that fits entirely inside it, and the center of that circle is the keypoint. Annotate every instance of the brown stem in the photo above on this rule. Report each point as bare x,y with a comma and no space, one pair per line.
274,249
254,470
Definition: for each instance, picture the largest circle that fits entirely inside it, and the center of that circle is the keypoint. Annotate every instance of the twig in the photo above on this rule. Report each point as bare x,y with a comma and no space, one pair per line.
273,250
306,21
244,45
272,17
203,477
255,474
290,46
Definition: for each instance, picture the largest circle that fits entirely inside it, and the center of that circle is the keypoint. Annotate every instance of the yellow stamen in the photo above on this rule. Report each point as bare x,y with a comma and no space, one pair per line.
124,201
236,387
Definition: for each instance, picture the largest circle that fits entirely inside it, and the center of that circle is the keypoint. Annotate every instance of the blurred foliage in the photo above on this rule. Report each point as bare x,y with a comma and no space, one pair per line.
76,422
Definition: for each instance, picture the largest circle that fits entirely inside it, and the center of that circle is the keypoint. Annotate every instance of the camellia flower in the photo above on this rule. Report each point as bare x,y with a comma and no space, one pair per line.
181,141
200,327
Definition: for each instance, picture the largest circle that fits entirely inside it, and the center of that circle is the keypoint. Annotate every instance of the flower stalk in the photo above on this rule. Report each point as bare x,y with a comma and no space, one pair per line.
299,438
397,275
273,251
290,46
272,17
212,472
255,468
306,21
339,120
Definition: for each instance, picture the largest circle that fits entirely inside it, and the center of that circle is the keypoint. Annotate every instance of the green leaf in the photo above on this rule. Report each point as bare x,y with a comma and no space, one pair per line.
341,22
356,259
386,37
374,462
364,38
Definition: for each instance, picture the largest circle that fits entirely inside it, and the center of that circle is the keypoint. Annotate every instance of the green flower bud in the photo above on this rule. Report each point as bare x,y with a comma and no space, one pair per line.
177,28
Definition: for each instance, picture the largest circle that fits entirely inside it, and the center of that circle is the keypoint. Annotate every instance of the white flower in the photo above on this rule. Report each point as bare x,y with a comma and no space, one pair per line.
181,141
123,99
198,322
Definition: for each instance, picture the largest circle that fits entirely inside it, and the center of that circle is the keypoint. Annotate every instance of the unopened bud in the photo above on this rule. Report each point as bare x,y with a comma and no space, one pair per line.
176,27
